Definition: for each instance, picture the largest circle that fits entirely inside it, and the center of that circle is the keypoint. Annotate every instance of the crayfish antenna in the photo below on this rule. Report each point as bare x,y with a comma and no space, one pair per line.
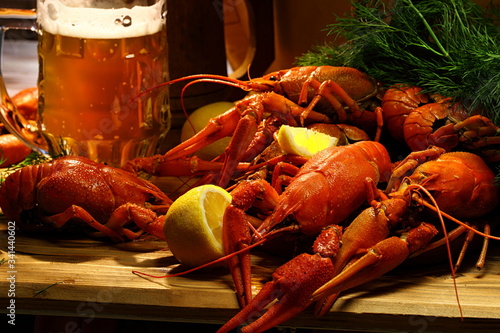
194,269
199,78
256,243
209,78
440,214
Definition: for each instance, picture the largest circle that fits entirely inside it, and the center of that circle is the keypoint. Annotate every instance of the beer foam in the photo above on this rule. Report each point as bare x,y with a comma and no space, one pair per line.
63,17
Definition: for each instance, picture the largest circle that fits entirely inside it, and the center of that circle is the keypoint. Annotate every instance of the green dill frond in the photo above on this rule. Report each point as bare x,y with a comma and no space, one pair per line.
32,159
450,47
63,149
343,55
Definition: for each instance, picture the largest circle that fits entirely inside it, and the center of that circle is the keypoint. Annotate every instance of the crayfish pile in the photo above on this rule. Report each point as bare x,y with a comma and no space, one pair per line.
410,172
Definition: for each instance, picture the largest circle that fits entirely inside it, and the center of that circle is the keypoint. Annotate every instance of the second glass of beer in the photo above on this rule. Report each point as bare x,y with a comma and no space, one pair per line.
96,58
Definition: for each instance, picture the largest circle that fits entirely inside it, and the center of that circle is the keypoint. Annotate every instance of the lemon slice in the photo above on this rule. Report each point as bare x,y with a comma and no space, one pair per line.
193,225
303,141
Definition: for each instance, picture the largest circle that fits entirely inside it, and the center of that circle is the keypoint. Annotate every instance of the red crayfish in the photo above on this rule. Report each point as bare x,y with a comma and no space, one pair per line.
70,188
421,120
331,186
314,206
375,242
287,97
341,94
319,199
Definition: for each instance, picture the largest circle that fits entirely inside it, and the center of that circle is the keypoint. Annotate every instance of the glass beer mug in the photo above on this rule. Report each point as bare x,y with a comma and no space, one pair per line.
98,60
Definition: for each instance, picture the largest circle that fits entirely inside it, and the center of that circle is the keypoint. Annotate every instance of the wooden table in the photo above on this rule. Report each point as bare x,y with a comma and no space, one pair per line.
72,276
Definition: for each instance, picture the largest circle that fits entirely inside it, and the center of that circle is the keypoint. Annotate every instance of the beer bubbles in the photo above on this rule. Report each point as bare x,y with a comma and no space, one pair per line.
125,21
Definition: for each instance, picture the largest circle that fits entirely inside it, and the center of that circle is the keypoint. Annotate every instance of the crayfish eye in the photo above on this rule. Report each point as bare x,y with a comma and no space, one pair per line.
273,78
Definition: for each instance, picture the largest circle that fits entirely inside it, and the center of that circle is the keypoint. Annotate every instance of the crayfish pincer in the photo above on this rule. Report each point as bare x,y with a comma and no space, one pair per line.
47,196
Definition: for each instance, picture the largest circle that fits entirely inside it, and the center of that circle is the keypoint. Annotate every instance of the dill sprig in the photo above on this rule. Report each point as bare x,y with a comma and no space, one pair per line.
450,47
36,157
32,159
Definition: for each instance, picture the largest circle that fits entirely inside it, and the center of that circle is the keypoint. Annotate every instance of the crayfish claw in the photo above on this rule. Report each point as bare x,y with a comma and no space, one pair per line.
324,305
292,286
377,260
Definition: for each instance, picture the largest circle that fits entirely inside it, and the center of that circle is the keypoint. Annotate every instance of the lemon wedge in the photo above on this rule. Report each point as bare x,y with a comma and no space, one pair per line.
198,119
193,225
303,141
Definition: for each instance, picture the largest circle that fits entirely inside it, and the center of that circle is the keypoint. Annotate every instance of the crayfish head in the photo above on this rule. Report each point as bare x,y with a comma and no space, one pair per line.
269,82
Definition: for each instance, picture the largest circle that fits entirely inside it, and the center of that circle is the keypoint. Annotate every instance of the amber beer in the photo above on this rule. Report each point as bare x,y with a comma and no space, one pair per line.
94,64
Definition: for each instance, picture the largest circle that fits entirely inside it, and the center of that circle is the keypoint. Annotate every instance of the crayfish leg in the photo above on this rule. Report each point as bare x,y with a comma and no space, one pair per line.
59,220
482,256
324,89
468,239
144,218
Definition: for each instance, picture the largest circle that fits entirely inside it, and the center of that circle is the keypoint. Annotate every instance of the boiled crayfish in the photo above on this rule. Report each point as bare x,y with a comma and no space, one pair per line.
328,89
288,97
332,185
340,94
375,242
319,198
47,196
323,94
316,197
421,120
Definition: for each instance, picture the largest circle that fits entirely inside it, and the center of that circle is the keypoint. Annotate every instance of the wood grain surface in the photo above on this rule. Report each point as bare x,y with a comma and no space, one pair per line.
79,276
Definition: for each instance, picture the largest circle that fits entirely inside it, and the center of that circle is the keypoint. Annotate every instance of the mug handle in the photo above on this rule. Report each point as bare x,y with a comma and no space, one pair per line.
260,51
14,121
